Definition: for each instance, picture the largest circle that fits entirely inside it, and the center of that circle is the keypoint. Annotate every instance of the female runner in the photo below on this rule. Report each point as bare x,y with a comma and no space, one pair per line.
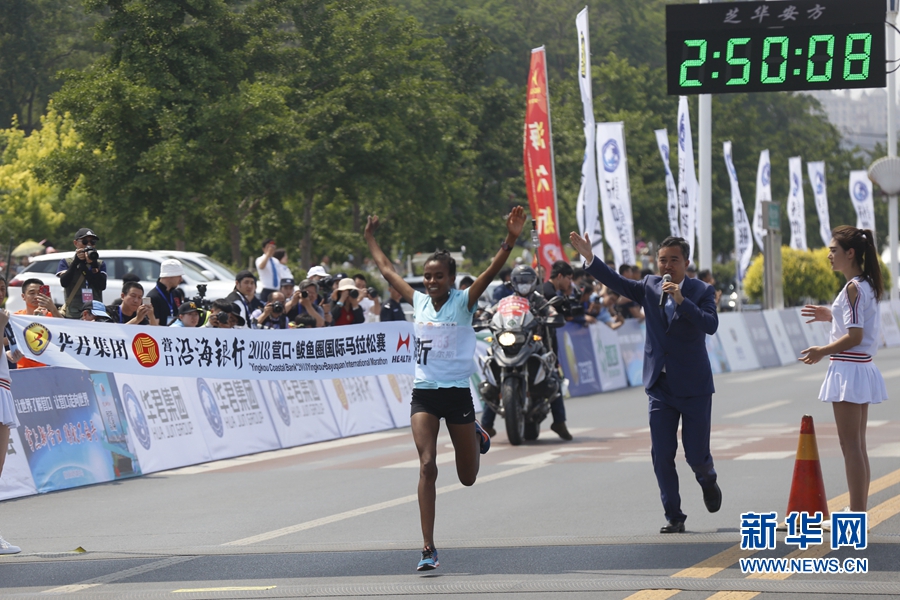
852,381
445,350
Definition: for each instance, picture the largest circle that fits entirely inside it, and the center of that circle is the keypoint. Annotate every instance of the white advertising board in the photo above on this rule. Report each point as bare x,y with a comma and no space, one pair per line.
608,357
780,338
358,405
889,328
299,411
736,342
237,421
164,422
16,480
397,390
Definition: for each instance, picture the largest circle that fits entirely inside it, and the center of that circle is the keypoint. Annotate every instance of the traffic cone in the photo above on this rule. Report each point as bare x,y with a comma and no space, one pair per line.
807,487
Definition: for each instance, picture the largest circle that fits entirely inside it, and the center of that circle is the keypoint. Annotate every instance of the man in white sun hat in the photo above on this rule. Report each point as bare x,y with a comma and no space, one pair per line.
166,297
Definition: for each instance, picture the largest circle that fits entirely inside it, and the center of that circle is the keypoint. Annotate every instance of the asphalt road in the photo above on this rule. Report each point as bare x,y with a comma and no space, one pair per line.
550,519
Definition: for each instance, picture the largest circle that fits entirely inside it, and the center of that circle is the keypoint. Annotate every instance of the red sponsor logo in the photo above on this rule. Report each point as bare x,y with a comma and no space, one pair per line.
401,341
145,349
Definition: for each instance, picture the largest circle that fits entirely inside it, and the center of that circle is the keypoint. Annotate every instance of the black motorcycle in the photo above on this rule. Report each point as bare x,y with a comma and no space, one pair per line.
519,370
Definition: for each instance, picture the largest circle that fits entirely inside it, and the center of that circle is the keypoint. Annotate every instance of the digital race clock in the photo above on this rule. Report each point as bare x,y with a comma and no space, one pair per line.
775,46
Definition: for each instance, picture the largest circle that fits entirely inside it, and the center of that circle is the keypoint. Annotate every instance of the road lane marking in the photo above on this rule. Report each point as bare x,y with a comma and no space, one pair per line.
761,376
765,455
756,409
652,595
882,483
287,452
546,457
226,589
442,459
719,562
357,512
891,450
119,575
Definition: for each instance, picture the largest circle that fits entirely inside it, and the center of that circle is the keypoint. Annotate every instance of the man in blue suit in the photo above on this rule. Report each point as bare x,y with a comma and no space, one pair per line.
679,315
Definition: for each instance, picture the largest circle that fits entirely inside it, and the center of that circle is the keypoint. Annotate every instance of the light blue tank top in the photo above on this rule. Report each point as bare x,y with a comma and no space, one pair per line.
445,341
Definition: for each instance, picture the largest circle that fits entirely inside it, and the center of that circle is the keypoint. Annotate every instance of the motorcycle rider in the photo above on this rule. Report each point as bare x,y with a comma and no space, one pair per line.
524,282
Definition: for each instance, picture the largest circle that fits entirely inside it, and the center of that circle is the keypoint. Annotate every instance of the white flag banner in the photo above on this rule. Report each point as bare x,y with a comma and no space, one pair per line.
816,172
615,192
588,198
662,140
763,194
795,208
861,196
327,353
687,176
743,242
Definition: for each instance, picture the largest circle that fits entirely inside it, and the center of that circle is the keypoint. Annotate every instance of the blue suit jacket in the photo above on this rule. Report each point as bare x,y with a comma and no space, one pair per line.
680,346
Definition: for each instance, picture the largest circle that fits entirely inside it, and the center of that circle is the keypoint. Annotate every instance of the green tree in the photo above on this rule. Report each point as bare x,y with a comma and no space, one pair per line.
32,208
38,38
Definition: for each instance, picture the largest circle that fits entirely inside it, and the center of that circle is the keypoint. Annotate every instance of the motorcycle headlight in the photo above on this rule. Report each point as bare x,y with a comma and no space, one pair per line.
507,338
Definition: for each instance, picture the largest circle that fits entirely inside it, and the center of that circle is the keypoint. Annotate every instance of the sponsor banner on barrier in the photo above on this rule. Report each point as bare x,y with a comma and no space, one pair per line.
766,353
326,353
576,357
397,391
164,423
817,333
17,480
631,345
889,329
69,438
358,405
737,343
780,337
235,419
608,357
299,411
718,362
793,327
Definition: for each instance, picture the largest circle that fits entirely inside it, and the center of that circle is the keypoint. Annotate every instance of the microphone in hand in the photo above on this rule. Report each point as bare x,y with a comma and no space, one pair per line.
662,297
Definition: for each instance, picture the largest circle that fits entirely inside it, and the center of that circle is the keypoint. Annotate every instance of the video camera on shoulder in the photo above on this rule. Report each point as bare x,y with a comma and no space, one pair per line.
200,299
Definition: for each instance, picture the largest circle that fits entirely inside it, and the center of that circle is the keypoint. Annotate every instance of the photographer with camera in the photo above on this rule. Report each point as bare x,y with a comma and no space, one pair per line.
368,299
347,310
273,315
305,301
224,314
83,277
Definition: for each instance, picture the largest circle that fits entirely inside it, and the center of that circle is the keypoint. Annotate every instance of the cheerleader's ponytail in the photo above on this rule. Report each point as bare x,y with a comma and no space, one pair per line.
871,267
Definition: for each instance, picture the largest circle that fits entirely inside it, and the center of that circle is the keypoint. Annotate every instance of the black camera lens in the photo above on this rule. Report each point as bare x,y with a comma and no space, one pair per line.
278,307
354,293
373,293
304,294
223,317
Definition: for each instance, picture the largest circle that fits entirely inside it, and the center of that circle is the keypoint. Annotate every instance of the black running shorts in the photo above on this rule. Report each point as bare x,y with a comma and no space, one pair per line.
454,404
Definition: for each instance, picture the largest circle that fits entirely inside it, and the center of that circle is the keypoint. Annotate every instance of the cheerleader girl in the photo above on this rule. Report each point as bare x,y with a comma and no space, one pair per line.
852,381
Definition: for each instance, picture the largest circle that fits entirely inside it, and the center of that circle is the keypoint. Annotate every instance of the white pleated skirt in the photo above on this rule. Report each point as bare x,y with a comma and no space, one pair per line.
859,383
7,408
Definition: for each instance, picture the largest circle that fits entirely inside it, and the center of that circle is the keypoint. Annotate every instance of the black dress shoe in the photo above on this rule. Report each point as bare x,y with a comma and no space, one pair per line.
672,527
712,497
560,429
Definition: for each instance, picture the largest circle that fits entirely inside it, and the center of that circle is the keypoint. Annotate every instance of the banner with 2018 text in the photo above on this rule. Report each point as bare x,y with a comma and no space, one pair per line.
328,353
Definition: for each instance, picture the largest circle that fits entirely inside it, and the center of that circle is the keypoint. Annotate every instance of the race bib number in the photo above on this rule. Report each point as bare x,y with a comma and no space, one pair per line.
435,341
87,297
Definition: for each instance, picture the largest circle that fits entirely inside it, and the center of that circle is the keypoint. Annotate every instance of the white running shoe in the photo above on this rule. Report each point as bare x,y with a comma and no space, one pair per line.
7,548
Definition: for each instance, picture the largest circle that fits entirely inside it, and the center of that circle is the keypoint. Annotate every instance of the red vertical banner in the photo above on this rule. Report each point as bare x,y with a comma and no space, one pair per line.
540,176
